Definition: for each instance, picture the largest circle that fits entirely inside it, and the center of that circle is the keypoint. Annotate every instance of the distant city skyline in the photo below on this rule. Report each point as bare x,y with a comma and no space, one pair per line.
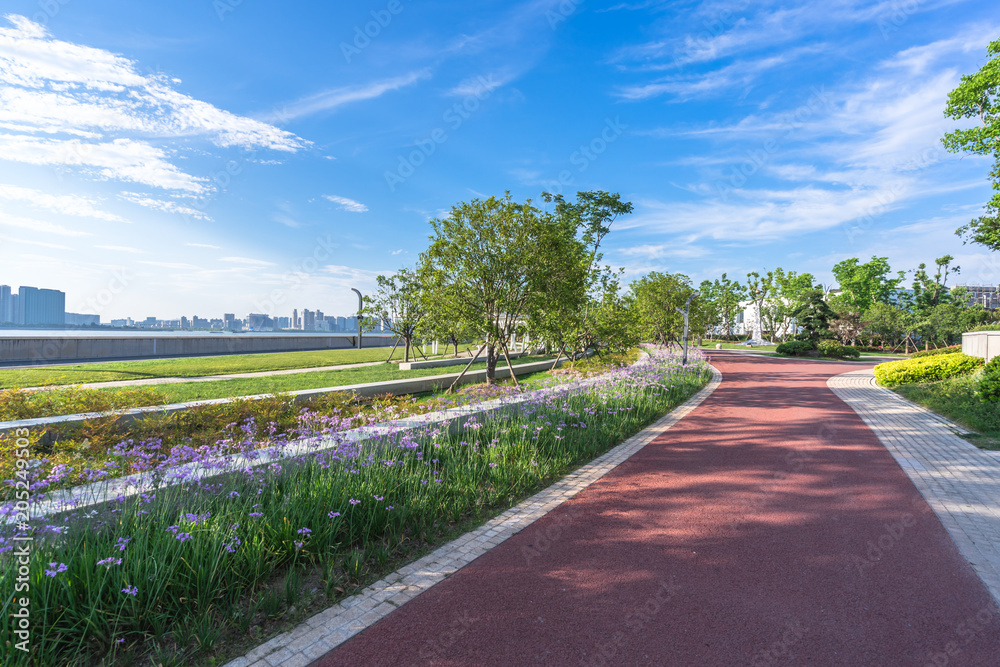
181,158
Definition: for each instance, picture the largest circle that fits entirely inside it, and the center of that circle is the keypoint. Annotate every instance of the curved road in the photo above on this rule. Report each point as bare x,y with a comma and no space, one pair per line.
768,527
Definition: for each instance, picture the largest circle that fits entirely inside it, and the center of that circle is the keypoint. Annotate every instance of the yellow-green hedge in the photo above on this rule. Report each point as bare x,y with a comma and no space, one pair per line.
925,369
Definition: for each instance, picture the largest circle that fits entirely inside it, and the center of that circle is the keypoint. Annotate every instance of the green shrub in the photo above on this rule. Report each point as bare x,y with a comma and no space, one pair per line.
926,369
988,387
796,348
831,348
951,349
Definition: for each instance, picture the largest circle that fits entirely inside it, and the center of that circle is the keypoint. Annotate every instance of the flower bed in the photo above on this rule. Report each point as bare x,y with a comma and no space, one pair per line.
170,573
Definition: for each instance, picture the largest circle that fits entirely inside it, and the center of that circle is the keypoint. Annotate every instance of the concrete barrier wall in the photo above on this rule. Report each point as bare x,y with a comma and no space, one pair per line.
984,344
63,349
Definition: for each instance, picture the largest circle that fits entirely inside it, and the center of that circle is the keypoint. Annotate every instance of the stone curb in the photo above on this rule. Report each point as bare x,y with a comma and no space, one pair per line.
328,629
959,481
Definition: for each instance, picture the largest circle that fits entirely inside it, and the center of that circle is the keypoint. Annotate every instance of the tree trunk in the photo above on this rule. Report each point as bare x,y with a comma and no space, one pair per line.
491,363
406,350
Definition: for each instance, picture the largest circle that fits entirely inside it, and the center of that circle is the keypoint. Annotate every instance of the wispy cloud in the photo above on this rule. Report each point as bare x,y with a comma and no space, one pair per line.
74,205
248,261
346,204
164,205
122,248
41,226
329,100
203,245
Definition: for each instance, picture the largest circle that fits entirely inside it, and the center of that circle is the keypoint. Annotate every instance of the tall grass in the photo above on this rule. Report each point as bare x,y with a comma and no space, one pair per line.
171,573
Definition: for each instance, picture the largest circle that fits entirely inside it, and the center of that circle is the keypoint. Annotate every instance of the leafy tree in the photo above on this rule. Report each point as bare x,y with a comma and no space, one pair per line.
978,96
657,296
759,288
865,284
886,323
721,299
576,284
814,314
492,252
787,293
445,320
929,291
940,324
398,305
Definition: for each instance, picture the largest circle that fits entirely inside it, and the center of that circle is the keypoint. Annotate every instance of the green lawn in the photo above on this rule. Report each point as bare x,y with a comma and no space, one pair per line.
48,403
955,399
187,367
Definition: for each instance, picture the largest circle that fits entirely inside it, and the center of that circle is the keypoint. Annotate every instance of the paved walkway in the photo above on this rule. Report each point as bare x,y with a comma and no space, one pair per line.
768,526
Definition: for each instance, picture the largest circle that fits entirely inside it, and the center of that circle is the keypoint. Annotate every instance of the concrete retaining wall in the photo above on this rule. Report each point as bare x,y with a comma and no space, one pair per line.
461,361
68,349
985,344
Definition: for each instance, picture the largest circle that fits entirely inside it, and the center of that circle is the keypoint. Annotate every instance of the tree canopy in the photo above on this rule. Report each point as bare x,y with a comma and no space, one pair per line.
978,96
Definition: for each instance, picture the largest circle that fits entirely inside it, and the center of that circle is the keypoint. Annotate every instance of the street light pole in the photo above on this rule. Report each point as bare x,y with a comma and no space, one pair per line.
360,308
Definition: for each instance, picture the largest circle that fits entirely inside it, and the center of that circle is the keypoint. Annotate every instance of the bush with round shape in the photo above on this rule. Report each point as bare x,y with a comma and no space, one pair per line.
951,349
831,348
988,386
796,348
925,369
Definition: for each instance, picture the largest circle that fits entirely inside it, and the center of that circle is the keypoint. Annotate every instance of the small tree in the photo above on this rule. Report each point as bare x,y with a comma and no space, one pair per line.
444,319
489,251
657,296
398,305
814,315
758,289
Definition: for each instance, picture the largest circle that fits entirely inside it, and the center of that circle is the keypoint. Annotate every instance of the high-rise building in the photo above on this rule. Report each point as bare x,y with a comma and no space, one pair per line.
987,296
229,320
6,304
40,306
308,320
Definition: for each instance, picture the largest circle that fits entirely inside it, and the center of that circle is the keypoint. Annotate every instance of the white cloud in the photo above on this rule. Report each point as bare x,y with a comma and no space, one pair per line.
480,86
41,226
246,260
346,204
397,252
43,244
162,205
331,99
70,105
122,248
203,245
74,205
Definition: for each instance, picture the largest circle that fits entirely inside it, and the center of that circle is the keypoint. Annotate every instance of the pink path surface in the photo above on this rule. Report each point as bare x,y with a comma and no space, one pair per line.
768,527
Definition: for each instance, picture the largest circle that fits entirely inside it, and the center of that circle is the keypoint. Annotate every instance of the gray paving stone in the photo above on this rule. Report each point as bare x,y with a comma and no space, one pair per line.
959,481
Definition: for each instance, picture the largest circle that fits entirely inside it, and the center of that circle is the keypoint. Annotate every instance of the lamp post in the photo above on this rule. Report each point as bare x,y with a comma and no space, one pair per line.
684,312
360,308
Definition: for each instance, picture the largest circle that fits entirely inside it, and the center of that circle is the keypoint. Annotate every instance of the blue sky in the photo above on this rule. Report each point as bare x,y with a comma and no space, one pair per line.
196,157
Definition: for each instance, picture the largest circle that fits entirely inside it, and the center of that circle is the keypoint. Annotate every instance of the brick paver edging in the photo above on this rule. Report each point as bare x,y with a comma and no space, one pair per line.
958,480
330,628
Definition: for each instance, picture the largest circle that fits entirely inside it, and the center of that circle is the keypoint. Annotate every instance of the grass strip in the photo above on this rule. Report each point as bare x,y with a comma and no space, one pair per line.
955,399
187,367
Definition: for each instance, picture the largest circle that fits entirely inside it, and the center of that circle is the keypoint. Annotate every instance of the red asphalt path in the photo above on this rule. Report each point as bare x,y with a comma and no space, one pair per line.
768,527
